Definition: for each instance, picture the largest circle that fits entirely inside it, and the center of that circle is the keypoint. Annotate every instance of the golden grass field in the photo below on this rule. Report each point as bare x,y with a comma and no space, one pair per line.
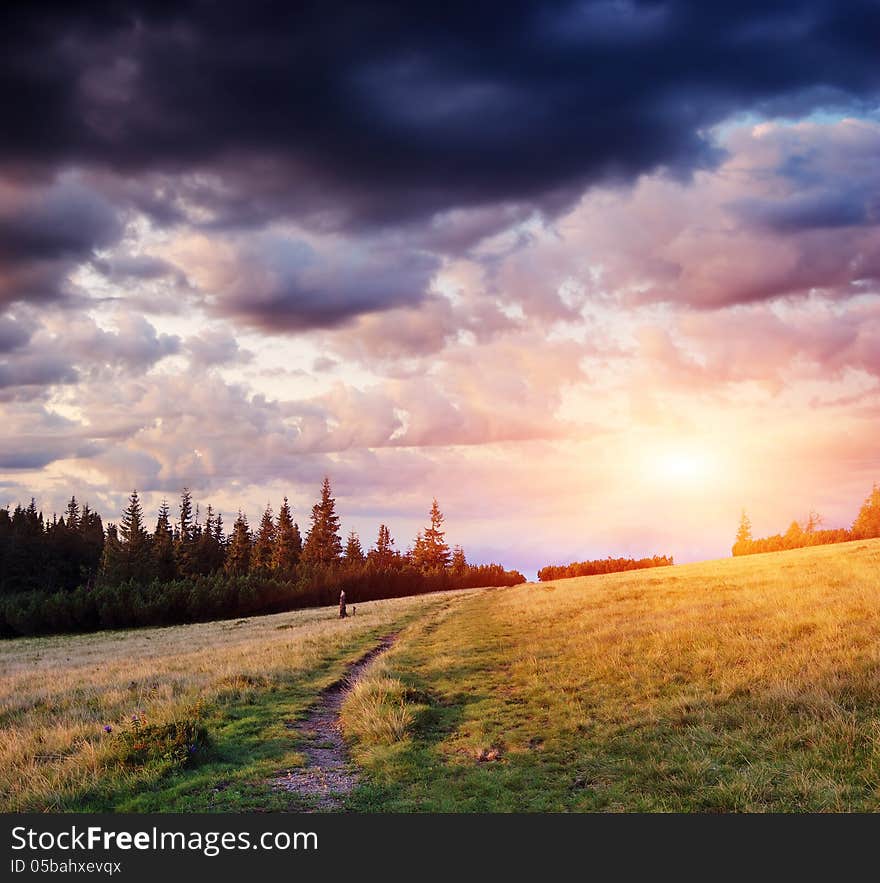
744,684
741,684
57,694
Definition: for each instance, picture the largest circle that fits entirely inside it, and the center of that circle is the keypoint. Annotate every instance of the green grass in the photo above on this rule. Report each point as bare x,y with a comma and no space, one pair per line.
246,683
741,685
749,684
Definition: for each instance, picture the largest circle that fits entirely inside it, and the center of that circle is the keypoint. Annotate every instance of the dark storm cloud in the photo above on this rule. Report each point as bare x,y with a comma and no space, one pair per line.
811,211
125,268
27,376
372,113
14,333
277,283
46,232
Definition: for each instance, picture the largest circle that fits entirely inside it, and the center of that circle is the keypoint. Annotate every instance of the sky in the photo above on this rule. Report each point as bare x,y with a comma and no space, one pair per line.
596,275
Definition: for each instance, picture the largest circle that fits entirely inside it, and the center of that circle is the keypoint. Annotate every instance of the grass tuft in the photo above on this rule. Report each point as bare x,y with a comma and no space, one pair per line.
375,712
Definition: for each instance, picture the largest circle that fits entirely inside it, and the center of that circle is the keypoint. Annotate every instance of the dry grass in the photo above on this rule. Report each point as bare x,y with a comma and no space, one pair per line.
741,684
375,711
795,631
57,694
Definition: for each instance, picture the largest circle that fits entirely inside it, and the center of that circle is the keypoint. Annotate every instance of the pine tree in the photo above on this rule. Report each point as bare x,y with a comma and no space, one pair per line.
264,545
459,562
288,543
431,551
354,553
814,522
743,535
112,564
127,553
134,541
91,530
72,512
323,546
184,536
418,554
383,554
164,563
209,547
238,554
793,538
867,523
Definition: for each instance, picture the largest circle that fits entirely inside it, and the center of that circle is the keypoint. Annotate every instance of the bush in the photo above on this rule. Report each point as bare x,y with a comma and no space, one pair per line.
179,743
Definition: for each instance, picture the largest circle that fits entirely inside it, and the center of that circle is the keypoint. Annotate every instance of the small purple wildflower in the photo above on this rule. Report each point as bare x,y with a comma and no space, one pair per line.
108,728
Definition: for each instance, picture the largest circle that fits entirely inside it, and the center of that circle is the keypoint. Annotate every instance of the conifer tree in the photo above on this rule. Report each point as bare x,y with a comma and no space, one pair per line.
743,535
131,528
867,523
112,564
354,553
323,546
208,549
163,546
431,551
383,554
288,543
184,536
72,513
459,562
91,530
264,545
238,554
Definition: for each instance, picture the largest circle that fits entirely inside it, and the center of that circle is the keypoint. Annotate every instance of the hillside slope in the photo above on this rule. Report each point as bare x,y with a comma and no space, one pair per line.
740,684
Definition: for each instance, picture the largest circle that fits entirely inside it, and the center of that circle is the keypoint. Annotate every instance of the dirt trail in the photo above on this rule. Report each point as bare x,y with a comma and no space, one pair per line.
328,774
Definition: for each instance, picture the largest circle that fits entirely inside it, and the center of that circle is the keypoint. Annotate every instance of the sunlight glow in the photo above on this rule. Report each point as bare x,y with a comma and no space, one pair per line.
685,465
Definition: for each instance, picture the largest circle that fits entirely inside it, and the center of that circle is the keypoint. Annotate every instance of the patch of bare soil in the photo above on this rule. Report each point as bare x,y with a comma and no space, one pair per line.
328,774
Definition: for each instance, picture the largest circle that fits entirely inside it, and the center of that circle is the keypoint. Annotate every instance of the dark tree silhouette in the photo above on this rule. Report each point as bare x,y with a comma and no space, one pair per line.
323,546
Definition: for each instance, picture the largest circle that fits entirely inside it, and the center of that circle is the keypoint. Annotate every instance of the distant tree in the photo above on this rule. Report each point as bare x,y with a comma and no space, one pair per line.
164,563
459,562
323,545
814,522
209,544
793,538
238,553
185,535
431,551
743,542
134,541
264,544
867,523
112,570
91,529
354,553
383,554
72,513
288,543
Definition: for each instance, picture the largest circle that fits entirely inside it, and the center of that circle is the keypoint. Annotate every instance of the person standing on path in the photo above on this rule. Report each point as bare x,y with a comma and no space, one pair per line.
342,604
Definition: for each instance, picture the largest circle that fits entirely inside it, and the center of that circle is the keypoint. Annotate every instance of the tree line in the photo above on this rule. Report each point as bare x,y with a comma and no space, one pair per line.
71,573
809,532
601,565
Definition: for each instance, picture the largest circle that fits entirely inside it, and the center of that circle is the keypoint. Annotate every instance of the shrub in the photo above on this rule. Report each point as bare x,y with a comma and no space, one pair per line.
178,743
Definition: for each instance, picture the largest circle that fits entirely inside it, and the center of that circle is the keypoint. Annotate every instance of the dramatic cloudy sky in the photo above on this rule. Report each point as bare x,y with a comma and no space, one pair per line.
595,274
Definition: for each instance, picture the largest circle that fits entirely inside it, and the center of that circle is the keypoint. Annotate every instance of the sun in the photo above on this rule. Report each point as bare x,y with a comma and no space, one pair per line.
682,466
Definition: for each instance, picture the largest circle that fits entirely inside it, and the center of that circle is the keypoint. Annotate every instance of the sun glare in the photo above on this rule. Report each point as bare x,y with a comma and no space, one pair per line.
683,466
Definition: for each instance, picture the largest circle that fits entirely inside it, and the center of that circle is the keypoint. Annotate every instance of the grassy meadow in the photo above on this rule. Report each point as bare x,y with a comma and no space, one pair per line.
746,684
243,681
